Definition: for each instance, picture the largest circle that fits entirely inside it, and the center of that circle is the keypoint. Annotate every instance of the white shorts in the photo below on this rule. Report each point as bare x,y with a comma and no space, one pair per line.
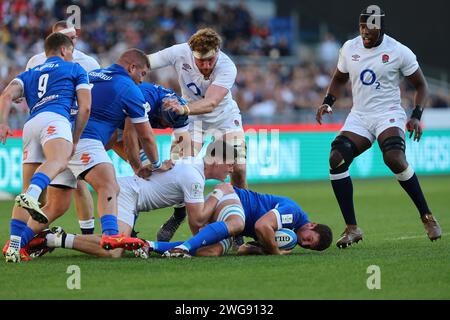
128,200
199,129
372,125
43,127
88,154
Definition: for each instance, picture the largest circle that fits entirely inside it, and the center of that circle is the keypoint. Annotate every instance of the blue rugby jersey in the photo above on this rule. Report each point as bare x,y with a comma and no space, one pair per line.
289,214
115,96
51,87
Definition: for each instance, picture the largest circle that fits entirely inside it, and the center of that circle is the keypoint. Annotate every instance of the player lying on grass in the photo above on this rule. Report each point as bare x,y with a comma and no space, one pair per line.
184,183
242,212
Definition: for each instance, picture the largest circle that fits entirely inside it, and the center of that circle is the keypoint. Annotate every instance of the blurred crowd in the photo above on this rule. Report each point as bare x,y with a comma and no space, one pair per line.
108,27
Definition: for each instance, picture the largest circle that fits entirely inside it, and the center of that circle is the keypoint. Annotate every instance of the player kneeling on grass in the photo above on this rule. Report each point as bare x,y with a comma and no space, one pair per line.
242,212
184,183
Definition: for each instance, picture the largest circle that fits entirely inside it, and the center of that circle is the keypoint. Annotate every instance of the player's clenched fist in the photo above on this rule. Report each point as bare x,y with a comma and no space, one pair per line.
323,109
5,131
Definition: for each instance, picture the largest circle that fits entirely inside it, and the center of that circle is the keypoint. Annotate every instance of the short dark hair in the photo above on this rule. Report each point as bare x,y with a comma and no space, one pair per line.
325,236
134,56
55,41
222,150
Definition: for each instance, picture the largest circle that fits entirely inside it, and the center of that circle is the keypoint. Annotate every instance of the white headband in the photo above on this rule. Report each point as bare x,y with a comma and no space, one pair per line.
68,30
207,55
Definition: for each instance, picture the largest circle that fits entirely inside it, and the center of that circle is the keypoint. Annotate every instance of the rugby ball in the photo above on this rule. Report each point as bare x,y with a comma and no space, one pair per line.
286,238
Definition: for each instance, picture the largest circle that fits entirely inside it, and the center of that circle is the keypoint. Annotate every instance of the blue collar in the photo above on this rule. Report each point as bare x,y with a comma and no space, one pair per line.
119,69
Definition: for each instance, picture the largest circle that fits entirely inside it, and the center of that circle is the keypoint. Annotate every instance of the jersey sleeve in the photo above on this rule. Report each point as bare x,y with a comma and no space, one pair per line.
342,64
92,64
192,184
81,78
289,215
135,105
163,58
21,79
226,77
409,62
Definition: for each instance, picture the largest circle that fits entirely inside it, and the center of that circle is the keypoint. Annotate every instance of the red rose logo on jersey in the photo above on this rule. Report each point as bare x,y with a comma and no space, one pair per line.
385,58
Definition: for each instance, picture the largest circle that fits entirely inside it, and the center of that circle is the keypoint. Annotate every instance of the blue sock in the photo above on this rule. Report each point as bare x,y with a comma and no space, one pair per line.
17,227
210,234
39,181
27,235
161,247
109,225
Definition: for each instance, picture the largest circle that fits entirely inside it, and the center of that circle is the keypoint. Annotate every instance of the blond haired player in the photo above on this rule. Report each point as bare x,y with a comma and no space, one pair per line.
206,76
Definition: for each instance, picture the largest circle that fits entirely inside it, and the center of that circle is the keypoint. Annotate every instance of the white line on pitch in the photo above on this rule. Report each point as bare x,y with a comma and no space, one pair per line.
413,237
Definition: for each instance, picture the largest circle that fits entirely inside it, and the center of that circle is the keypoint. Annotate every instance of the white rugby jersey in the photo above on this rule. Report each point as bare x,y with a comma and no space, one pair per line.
375,73
193,84
185,182
88,63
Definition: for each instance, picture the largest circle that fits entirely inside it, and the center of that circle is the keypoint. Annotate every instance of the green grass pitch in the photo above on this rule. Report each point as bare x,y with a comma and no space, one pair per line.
411,266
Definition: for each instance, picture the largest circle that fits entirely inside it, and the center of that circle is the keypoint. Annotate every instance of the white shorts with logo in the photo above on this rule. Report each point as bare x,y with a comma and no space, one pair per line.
88,154
44,127
372,125
128,200
199,129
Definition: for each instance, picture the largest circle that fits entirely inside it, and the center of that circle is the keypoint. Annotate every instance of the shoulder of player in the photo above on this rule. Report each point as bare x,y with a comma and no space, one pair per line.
225,61
352,43
396,45
36,60
85,60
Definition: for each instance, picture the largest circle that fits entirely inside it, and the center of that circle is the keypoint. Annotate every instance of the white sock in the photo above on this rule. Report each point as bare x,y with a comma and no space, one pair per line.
87,224
15,242
69,241
34,191
53,241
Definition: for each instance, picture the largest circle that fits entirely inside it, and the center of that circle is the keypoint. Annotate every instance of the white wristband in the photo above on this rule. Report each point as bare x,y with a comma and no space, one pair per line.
218,194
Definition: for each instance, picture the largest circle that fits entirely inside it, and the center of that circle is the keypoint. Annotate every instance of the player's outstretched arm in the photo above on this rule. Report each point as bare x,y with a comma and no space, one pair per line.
337,84
213,96
12,92
417,79
265,229
84,110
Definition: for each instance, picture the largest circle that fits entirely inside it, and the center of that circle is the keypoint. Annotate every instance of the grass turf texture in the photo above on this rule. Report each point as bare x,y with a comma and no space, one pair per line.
411,266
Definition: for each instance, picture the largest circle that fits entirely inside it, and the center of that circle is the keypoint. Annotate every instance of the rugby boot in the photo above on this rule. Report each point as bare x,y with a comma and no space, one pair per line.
176,253
30,204
144,251
168,229
121,241
431,227
349,236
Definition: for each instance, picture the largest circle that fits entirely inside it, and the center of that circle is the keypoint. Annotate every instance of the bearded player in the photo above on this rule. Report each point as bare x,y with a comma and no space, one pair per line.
206,76
374,63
